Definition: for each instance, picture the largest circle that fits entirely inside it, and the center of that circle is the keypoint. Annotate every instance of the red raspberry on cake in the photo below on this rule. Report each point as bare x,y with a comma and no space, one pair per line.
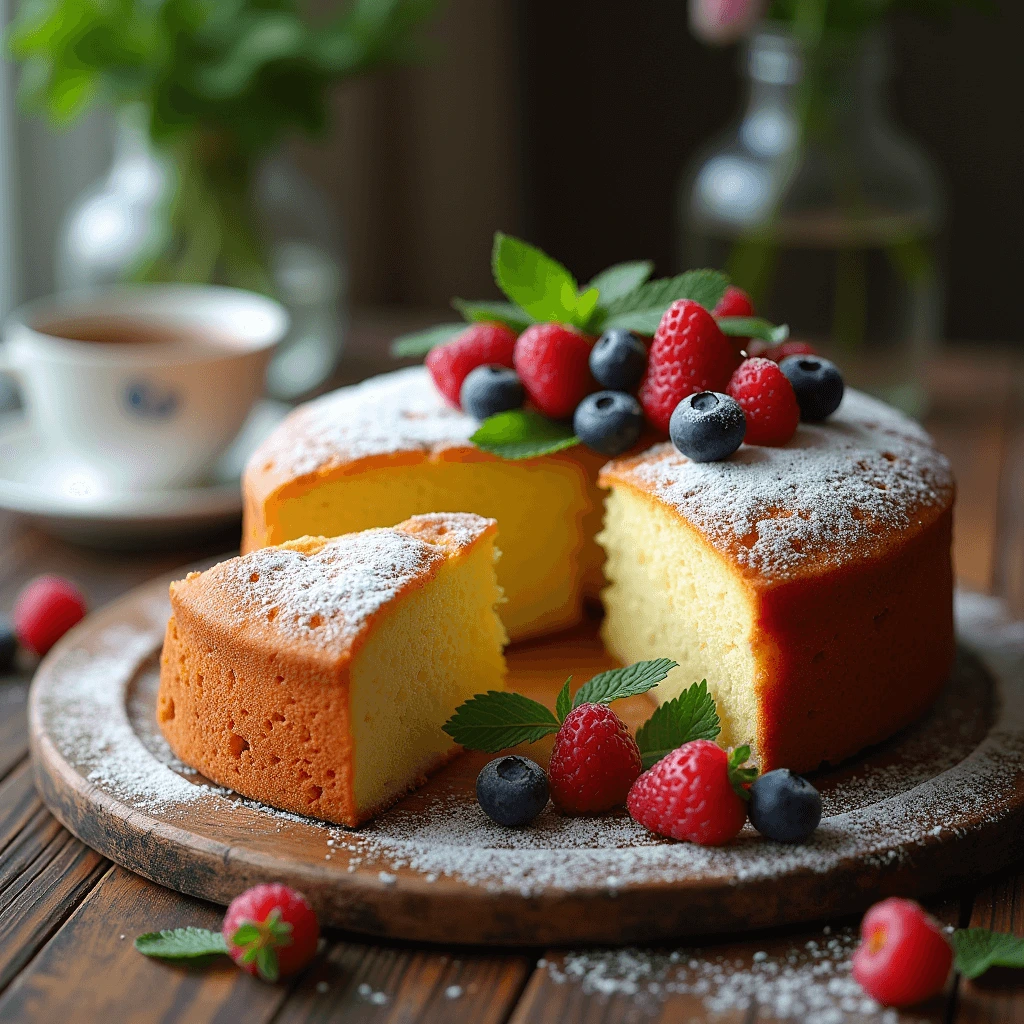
776,353
594,762
768,401
689,354
478,345
553,362
271,931
45,610
690,794
735,302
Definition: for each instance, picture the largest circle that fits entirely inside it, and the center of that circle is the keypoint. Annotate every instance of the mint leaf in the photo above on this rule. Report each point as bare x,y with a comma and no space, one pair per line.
690,716
623,682
182,944
563,705
619,280
978,949
533,280
419,343
642,309
507,313
495,720
740,777
522,434
753,327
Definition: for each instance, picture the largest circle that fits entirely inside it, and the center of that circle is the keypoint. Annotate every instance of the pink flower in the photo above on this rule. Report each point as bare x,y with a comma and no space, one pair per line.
723,21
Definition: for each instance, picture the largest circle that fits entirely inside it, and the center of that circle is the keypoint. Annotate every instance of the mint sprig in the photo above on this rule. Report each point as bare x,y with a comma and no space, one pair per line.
522,434
623,682
753,327
641,310
978,949
182,944
507,313
619,280
690,716
739,777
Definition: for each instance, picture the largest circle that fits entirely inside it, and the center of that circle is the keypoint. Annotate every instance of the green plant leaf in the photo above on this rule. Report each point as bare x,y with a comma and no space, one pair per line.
642,309
978,949
753,327
182,944
619,280
623,682
507,313
534,281
740,777
522,434
494,720
419,343
690,716
563,705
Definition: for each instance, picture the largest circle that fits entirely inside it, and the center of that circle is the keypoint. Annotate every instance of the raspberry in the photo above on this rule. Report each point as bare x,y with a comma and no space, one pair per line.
768,400
449,364
552,361
594,761
689,795
45,610
776,353
903,957
735,302
689,354
271,931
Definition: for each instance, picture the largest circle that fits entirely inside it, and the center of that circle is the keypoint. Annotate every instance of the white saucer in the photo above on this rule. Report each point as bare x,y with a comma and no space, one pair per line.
68,503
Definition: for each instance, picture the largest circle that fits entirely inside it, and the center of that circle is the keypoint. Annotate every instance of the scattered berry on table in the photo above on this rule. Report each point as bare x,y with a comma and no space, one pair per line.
552,360
512,790
768,401
45,610
903,957
609,422
707,426
818,385
689,794
689,354
271,931
449,364
776,353
735,302
491,389
618,360
783,806
8,645
594,762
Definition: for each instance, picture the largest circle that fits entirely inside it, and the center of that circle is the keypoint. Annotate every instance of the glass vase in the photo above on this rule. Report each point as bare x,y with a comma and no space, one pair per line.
818,205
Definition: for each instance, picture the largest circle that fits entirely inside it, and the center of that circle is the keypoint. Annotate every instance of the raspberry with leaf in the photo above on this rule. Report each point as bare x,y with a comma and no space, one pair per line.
271,931
478,345
735,302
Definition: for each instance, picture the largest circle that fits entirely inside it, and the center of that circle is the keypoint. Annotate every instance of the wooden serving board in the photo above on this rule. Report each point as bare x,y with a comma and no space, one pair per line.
940,804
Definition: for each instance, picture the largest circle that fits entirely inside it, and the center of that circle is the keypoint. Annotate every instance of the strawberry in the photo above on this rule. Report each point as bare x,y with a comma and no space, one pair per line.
689,354
479,344
594,762
768,401
271,931
693,794
45,610
735,302
552,361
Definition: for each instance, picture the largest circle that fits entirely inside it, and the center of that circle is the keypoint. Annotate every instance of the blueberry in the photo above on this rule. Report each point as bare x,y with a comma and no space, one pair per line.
784,806
707,426
512,790
610,422
618,360
490,389
818,385
8,645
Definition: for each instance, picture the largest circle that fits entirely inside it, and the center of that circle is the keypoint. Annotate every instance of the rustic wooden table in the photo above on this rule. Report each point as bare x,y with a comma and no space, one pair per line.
68,917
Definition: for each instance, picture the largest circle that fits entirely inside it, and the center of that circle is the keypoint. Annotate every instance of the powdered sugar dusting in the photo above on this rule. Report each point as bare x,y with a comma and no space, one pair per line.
837,486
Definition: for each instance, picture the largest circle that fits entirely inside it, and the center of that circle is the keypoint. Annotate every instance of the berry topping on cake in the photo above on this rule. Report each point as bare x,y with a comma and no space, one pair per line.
512,790
776,353
594,762
609,422
45,610
818,385
689,354
552,361
707,426
271,931
693,794
783,806
478,345
768,402
491,389
618,360
903,957
735,302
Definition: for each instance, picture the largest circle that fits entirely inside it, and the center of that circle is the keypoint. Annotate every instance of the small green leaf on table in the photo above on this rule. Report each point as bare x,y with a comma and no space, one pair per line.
493,721
523,434
978,949
507,313
182,944
753,327
419,343
690,716
642,309
623,682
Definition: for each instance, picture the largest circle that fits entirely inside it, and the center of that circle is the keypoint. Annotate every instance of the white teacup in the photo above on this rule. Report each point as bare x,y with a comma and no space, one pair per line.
143,386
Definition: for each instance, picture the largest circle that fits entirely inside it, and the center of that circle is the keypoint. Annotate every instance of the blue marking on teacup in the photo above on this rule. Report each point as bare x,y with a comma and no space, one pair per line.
151,401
